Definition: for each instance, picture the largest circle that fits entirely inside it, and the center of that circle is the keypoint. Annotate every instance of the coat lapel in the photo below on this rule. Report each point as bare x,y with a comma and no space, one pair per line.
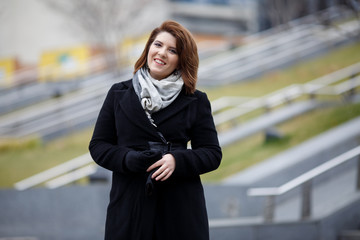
179,104
131,107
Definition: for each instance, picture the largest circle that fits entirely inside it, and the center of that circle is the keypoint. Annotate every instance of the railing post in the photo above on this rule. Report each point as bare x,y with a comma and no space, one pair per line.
358,174
352,90
312,95
306,200
269,208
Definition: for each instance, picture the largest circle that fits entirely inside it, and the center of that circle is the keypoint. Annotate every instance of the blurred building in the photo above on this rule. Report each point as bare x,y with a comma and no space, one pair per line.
242,16
47,43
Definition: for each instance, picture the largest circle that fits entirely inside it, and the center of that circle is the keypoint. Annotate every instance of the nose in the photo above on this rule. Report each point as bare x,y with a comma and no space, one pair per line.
162,52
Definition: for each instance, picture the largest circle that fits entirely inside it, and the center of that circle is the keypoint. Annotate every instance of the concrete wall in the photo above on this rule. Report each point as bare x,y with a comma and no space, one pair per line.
328,228
65,213
78,212
286,231
231,202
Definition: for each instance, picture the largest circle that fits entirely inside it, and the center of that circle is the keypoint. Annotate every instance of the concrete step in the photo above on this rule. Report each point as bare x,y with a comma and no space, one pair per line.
19,238
350,235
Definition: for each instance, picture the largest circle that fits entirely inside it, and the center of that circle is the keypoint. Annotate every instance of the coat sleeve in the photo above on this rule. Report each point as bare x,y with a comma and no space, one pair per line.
205,155
103,145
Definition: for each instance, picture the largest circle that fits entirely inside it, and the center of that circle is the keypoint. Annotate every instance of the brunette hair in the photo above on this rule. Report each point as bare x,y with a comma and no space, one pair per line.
185,47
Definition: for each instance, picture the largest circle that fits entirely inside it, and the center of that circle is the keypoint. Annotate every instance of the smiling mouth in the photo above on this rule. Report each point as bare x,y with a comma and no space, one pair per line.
158,61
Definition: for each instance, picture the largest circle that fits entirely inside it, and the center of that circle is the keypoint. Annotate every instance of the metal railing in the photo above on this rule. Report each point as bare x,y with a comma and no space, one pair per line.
74,169
320,86
305,182
251,60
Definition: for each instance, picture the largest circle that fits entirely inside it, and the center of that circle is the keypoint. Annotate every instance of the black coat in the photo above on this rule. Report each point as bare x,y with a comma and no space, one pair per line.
177,208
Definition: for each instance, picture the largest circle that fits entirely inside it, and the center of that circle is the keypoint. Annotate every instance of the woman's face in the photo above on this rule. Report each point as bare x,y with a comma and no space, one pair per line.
162,57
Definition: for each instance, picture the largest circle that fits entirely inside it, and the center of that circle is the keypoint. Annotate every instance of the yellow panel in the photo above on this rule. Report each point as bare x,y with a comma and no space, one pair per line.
64,64
7,71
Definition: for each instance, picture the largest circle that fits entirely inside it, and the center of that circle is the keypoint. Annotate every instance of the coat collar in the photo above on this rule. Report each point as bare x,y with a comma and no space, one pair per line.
179,104
130,104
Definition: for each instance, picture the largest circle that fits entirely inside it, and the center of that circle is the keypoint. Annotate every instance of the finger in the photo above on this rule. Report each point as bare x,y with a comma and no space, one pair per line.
154,165
157,172
167,176
162,175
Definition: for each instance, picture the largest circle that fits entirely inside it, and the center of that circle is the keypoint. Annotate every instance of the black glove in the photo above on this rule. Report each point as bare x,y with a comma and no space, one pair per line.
150,184
138,162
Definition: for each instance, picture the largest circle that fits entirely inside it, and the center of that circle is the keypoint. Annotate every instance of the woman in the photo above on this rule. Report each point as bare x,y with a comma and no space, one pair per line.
141,135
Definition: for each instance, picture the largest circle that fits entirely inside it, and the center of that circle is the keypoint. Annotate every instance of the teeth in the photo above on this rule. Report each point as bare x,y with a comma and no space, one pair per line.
159,62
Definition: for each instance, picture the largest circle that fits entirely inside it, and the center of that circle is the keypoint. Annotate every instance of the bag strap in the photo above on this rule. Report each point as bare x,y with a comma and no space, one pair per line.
163,139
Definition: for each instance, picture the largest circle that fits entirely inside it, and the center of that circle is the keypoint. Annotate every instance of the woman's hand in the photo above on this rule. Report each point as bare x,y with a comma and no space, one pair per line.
166,167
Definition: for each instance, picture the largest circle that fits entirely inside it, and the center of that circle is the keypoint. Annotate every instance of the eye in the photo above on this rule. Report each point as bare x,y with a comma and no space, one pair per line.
157,44
173,51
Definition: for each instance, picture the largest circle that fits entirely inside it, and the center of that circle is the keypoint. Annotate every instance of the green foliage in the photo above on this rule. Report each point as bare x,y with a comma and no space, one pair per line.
21,161
18,144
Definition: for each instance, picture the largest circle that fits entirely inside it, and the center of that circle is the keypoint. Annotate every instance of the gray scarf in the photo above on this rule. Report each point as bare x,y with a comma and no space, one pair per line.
153,94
